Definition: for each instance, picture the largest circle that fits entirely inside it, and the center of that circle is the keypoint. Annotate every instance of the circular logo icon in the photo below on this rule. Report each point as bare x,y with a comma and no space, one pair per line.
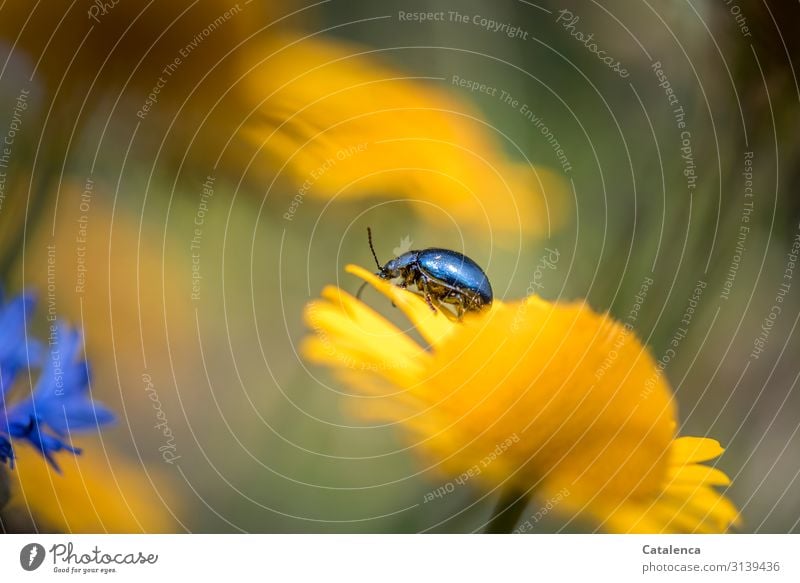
31,556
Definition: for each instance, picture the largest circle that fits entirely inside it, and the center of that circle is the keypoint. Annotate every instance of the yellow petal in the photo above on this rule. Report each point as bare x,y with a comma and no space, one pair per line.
698,475
433,326
687,450
364,339
707,504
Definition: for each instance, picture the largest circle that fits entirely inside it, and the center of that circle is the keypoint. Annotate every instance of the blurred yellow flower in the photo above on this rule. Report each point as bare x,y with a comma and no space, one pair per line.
343,124
96,492
224,78
551,399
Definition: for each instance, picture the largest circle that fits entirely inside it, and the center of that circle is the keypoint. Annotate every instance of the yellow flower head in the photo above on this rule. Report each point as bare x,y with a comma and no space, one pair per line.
535,397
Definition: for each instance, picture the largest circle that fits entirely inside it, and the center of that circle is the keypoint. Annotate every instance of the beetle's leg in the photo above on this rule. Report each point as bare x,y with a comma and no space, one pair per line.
402,285
454,299
422,283
460,308
459,303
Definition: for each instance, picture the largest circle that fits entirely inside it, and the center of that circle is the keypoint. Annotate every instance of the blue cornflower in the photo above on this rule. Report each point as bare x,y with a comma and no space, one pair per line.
59,402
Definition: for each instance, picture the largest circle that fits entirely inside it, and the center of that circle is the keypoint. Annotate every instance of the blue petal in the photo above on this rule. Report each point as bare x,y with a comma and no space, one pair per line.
75,415
17,351
60,402
32,432
61,397
6,453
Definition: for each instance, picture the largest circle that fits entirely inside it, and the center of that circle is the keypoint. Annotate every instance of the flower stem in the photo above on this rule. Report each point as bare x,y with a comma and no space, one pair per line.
507,512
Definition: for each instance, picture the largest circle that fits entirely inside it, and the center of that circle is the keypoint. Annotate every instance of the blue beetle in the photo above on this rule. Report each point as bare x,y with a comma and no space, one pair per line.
441,276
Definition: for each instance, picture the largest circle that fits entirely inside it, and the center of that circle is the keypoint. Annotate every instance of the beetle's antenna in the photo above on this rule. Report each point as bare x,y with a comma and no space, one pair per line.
375,256
369,236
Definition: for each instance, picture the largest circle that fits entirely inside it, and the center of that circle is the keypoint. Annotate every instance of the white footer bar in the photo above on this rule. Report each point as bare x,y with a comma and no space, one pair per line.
401,558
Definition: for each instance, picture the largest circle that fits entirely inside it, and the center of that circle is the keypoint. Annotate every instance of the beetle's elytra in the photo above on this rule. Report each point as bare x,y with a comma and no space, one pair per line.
442,276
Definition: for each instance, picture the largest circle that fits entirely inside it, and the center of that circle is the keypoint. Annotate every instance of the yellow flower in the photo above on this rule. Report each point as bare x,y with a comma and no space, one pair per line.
96,492
534,397
225,78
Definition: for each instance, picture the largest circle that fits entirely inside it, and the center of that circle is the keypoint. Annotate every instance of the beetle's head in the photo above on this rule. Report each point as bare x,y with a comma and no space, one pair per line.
399,266
390,270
